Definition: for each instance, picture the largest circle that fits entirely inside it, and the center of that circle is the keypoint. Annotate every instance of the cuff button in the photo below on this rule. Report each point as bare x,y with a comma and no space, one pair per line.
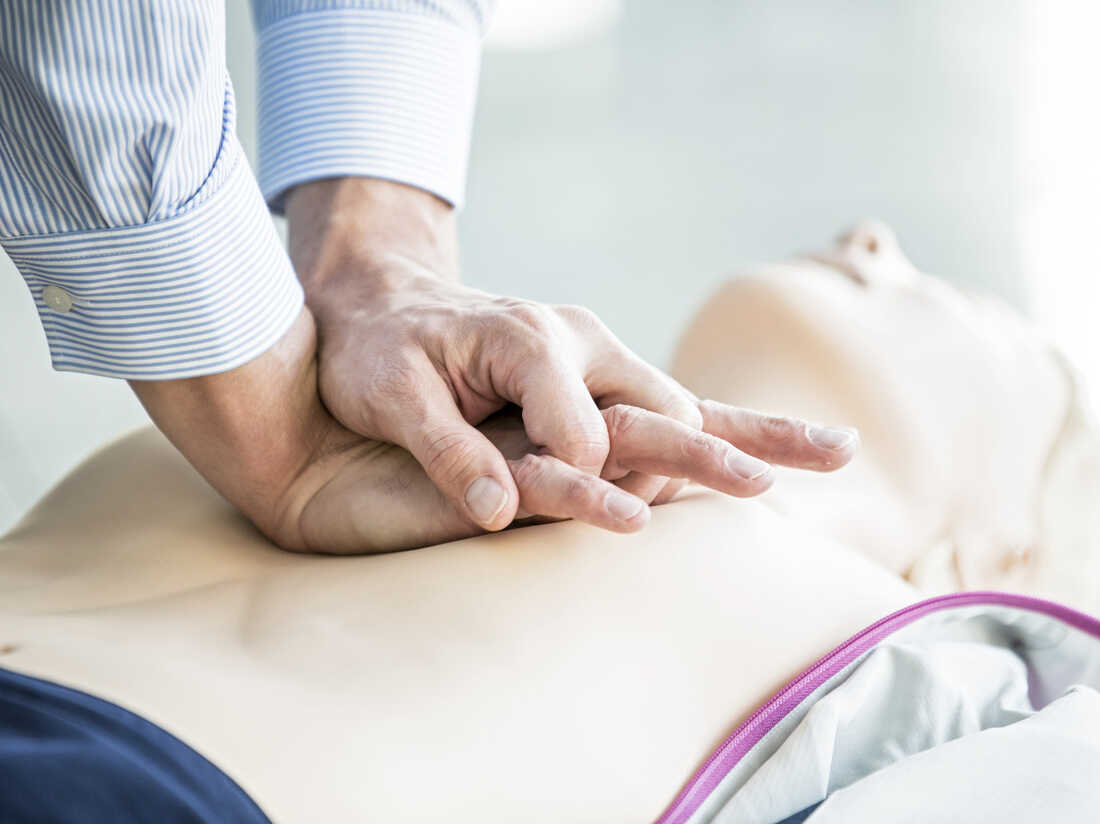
57,298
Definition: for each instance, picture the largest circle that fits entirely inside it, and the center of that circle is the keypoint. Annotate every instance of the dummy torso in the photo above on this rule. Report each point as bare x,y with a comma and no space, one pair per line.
553,673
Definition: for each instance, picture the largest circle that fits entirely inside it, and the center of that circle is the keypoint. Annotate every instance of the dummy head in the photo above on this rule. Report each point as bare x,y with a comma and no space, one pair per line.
976,439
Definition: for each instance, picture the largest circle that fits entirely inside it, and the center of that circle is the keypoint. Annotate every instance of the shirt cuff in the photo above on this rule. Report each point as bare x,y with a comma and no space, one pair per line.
201,292
366,92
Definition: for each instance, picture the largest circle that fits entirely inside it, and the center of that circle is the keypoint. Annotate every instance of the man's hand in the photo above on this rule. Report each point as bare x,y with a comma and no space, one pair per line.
262,437
410,356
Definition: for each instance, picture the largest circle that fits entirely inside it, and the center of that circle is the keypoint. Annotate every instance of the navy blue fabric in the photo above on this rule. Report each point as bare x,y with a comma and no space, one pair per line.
66,756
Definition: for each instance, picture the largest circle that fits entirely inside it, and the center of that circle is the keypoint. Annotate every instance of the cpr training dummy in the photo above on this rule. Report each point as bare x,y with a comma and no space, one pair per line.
561,673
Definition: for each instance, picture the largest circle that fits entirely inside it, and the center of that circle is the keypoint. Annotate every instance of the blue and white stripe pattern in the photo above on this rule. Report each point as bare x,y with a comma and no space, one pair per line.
380,89
126,201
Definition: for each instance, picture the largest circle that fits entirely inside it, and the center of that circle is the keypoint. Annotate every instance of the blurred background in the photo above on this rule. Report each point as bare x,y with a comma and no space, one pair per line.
629,155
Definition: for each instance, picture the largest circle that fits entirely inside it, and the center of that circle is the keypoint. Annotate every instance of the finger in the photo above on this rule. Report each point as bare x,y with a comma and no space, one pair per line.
644,441
620,376
560,415
460,461
549,486
623,377
671,490
785,441
641,485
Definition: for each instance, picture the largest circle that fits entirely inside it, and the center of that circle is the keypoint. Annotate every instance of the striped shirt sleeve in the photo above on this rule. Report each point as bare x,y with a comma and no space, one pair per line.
126,201
373,88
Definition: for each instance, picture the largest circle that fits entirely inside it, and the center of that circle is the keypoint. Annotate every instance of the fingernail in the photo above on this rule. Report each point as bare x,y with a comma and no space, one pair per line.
622,506
830,437
746,466
485,498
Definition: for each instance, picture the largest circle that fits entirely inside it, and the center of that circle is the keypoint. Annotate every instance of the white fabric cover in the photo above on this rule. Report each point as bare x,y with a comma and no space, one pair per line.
976,714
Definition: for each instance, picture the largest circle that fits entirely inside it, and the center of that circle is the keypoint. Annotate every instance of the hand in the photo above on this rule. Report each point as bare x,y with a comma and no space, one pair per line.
372,497
410,356
262,437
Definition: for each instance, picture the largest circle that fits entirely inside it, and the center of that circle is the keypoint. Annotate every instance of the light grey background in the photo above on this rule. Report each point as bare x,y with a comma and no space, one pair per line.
633,172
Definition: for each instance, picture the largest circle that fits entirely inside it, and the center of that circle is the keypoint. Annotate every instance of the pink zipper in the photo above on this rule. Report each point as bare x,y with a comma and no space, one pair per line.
771,712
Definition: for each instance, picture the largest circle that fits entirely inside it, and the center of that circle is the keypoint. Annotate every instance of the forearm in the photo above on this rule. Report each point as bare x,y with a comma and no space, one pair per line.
253,431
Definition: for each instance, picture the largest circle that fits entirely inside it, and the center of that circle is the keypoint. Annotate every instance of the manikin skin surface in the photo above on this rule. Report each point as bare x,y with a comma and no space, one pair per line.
551,673
521,676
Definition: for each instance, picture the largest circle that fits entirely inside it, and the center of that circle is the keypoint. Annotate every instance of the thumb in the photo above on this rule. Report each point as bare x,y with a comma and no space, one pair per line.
462,463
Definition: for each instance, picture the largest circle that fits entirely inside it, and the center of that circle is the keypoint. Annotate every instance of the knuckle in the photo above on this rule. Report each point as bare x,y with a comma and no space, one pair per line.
693,417
708,408
525,335
533,315
449,454
684,410
511,348
528,471
779,429
590,450
580,317
620,419
578,491
701,445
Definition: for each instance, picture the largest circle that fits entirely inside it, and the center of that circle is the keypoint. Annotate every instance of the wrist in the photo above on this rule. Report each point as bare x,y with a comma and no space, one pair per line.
356,227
